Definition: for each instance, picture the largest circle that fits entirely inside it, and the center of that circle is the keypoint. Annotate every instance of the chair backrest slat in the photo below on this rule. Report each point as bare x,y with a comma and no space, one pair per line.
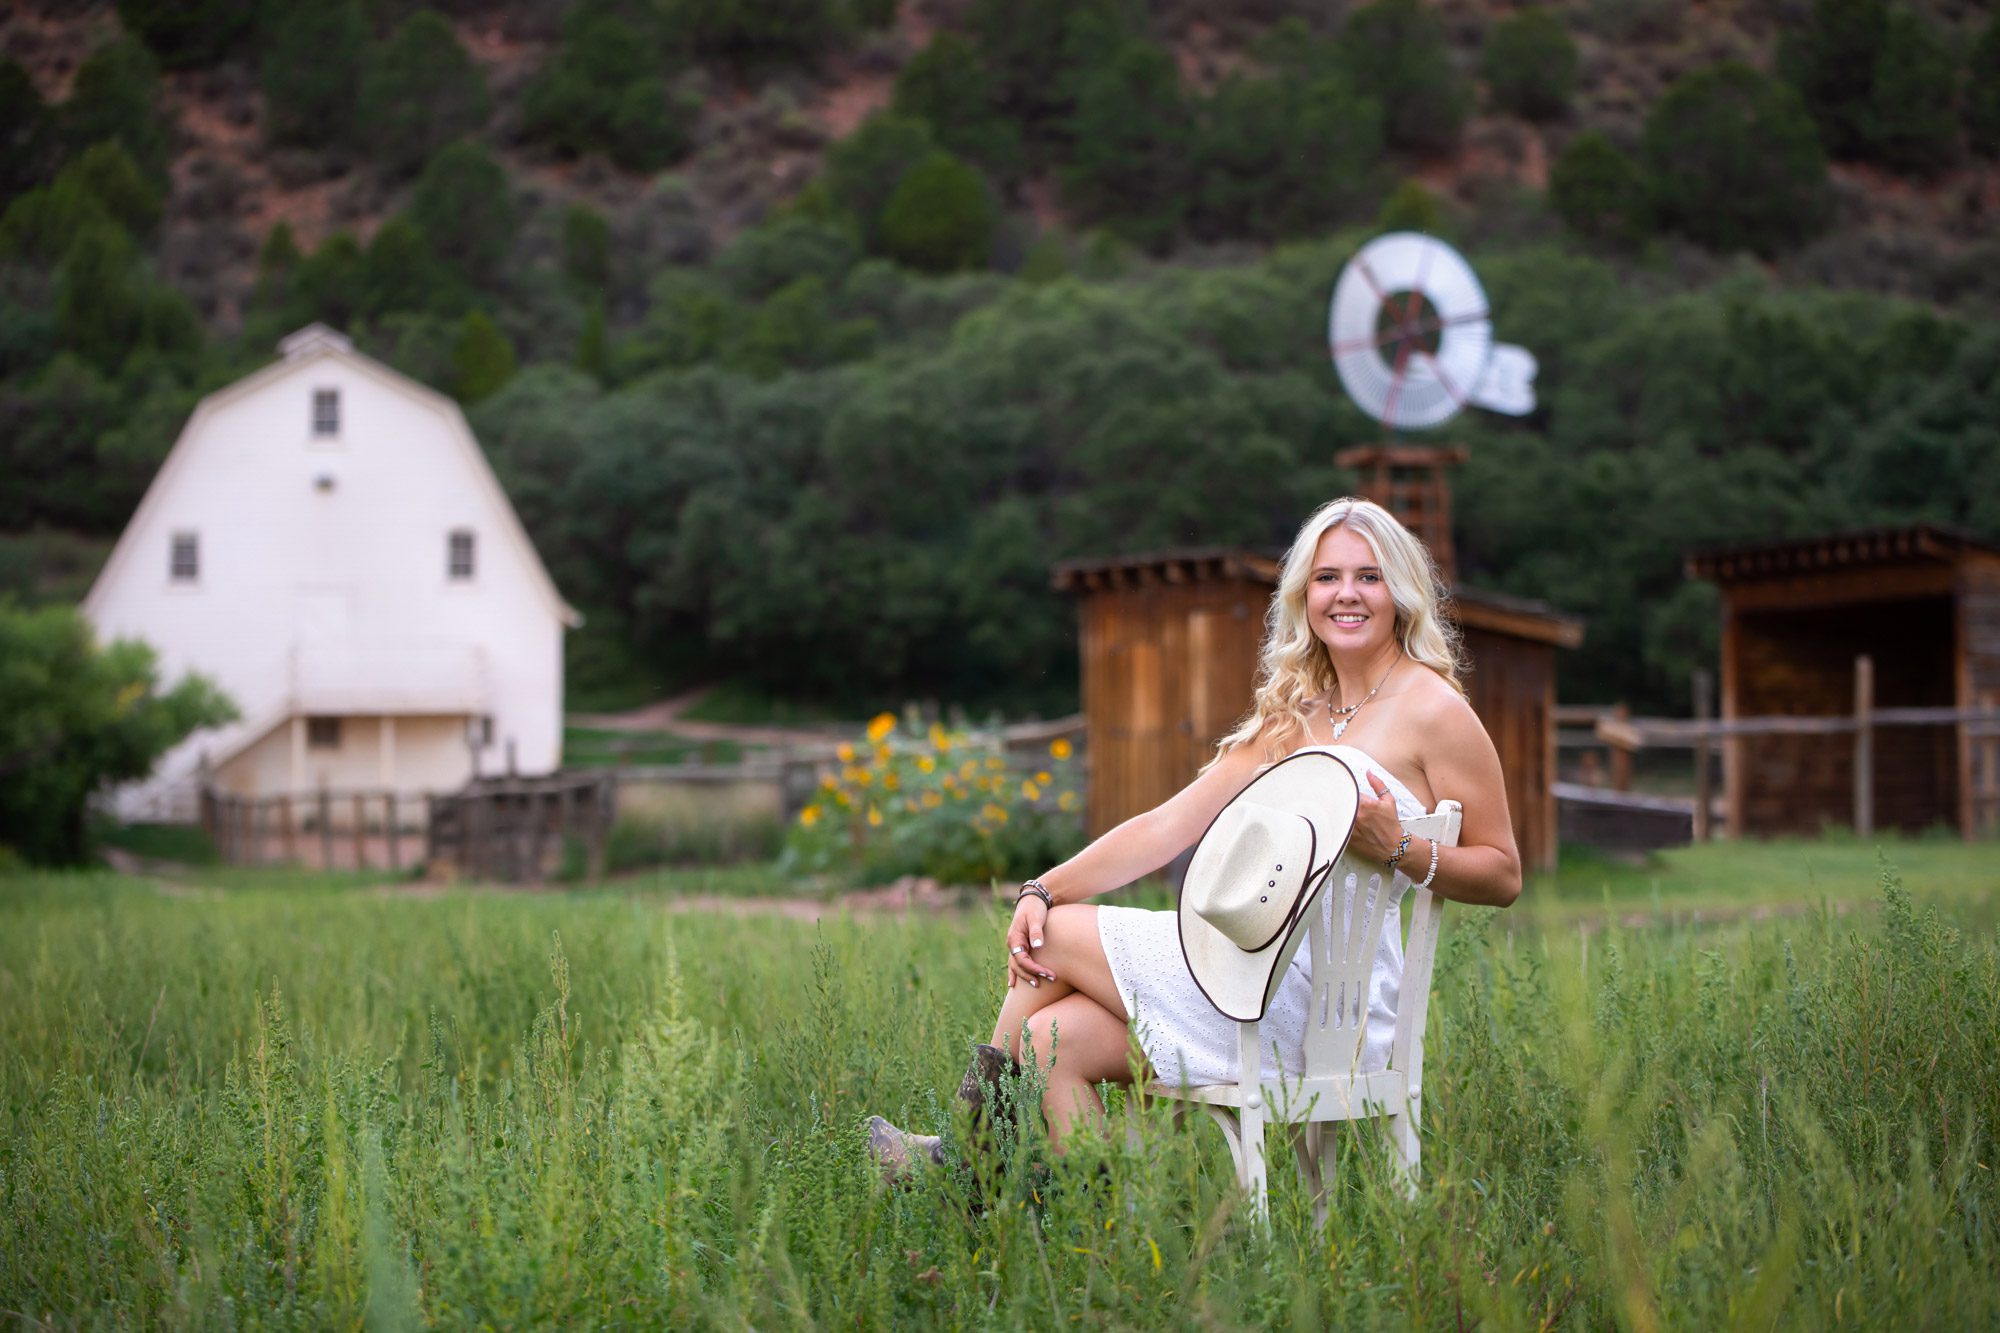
1342,934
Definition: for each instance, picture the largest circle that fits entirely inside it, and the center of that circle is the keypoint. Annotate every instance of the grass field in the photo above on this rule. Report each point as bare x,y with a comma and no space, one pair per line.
256,1102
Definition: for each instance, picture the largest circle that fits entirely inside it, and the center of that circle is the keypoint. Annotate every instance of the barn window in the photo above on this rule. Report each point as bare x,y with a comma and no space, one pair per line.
458,554
326,411
323,733
184,558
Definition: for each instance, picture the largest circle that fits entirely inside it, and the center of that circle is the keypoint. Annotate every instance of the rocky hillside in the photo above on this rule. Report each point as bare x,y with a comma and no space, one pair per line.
760,127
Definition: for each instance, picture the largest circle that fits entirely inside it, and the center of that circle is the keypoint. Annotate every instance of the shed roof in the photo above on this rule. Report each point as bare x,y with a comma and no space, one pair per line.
1498,613
1855,549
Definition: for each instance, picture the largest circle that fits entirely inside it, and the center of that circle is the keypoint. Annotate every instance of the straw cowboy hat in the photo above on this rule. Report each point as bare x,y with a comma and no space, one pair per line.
1256,870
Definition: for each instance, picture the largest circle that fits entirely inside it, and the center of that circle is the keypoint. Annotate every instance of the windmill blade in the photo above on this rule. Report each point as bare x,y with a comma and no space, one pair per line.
1509,383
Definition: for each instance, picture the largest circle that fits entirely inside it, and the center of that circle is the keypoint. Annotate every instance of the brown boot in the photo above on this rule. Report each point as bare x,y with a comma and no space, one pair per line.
980,1088
900,1155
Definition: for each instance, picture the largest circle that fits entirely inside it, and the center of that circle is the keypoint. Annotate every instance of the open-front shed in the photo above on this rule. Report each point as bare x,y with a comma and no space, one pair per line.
1922,605
1169,640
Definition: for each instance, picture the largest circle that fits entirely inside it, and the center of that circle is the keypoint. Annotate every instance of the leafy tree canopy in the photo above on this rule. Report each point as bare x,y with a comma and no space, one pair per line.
420,92
1394,52
1732,161
1530,64
75,716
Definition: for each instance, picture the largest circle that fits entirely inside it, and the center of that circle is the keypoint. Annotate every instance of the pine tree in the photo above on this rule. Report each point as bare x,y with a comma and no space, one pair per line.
483,360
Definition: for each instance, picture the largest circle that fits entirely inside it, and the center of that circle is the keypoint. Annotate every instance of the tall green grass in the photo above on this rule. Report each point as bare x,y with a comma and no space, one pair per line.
342,1108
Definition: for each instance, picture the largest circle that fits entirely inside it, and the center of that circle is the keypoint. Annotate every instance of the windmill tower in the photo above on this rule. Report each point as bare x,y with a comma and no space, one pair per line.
1412,340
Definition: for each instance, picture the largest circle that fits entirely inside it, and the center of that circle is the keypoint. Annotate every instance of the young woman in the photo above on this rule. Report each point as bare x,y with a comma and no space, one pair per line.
1355,655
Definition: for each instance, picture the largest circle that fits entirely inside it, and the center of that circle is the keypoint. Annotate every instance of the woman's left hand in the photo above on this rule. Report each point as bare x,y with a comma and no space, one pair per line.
1378,828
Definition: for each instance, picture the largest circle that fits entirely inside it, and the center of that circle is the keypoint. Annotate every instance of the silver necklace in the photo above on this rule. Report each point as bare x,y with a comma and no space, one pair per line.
1345,715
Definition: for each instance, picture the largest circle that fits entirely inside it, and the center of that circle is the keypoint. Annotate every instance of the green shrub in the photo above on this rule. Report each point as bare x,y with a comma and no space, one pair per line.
948,87
1982,91
313,52
940,217
115,96
402,272
420,92
102,187
758,31
605,89
464,209
1038,53
109,306
1411,207
864,169
27,133
1128,165
1598,192
1284,155
1529,63
185,33
75,715
586,247
765,259
1909,125
1394,52
483,361
1877,81
1732,162
914,800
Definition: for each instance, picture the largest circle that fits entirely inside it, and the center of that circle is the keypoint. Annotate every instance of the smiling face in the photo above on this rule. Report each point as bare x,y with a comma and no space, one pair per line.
1347,602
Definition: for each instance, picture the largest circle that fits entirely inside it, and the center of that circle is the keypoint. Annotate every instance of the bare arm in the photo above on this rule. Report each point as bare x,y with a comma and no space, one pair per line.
1462,765
1136,847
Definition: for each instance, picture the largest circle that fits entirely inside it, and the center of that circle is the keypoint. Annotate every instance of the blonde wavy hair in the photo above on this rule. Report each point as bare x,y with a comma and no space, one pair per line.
1294,667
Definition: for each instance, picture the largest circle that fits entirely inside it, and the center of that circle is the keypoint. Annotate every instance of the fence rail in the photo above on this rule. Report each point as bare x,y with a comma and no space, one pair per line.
334,829
1615,728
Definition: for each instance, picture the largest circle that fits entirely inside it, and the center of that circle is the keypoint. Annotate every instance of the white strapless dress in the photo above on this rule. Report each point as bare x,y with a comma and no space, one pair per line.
1187,1039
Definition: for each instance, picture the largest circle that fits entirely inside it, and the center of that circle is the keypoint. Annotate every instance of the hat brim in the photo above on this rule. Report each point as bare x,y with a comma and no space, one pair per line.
1313,782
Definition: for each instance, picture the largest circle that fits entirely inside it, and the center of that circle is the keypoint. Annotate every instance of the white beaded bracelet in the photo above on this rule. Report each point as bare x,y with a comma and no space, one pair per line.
1434,867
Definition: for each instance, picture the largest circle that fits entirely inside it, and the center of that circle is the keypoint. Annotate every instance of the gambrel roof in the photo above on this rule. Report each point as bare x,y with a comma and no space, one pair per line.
316,345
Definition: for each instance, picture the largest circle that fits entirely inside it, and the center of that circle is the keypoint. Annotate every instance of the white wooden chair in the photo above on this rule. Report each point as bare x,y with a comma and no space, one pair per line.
1329,1089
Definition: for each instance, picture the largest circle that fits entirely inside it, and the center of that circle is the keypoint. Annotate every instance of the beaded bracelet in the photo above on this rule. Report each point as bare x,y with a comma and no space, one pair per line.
1434,867
1401,847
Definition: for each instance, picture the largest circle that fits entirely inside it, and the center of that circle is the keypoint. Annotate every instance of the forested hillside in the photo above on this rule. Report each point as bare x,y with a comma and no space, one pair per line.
807,335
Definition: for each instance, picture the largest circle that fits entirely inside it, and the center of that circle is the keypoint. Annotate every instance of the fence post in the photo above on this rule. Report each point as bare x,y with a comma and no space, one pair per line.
1704,710
325,829
1621,758
391,831
1864,745
360,831
291,828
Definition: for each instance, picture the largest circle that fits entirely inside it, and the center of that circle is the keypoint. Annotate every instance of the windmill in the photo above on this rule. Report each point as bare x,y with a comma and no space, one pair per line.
1412,340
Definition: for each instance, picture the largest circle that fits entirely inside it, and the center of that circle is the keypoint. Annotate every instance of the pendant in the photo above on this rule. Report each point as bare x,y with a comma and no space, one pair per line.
1339,727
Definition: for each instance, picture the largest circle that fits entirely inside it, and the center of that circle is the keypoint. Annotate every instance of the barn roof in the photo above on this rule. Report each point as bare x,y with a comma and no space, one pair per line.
311,344
1854,549
1498,613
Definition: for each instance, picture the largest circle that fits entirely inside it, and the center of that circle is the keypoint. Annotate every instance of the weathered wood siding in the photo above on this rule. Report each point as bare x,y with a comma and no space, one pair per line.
1168,668
1167,671
1512,686
1978,686
1801,663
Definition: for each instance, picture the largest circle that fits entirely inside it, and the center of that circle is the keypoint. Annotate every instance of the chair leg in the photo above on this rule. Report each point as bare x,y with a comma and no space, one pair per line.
1255,1183
1403,1145
1314,1147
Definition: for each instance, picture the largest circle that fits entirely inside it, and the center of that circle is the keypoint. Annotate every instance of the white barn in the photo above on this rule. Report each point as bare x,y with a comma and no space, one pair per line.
327,542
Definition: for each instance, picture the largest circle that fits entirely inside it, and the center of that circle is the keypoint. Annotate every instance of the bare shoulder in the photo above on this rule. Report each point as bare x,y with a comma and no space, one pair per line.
1438,709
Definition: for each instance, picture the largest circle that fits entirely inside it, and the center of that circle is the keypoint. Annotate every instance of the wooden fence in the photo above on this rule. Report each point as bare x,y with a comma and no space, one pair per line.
519,829
327,829
1615,729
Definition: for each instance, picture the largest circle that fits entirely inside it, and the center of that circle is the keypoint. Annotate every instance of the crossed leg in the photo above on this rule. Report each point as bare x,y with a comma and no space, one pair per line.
1082,1007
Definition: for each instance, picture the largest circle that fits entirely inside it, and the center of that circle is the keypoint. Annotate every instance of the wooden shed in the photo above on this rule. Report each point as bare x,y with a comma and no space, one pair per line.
1169,642
1922,604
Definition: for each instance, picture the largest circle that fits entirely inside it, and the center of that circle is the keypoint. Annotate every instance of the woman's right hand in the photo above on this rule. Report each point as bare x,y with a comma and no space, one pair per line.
1024,936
